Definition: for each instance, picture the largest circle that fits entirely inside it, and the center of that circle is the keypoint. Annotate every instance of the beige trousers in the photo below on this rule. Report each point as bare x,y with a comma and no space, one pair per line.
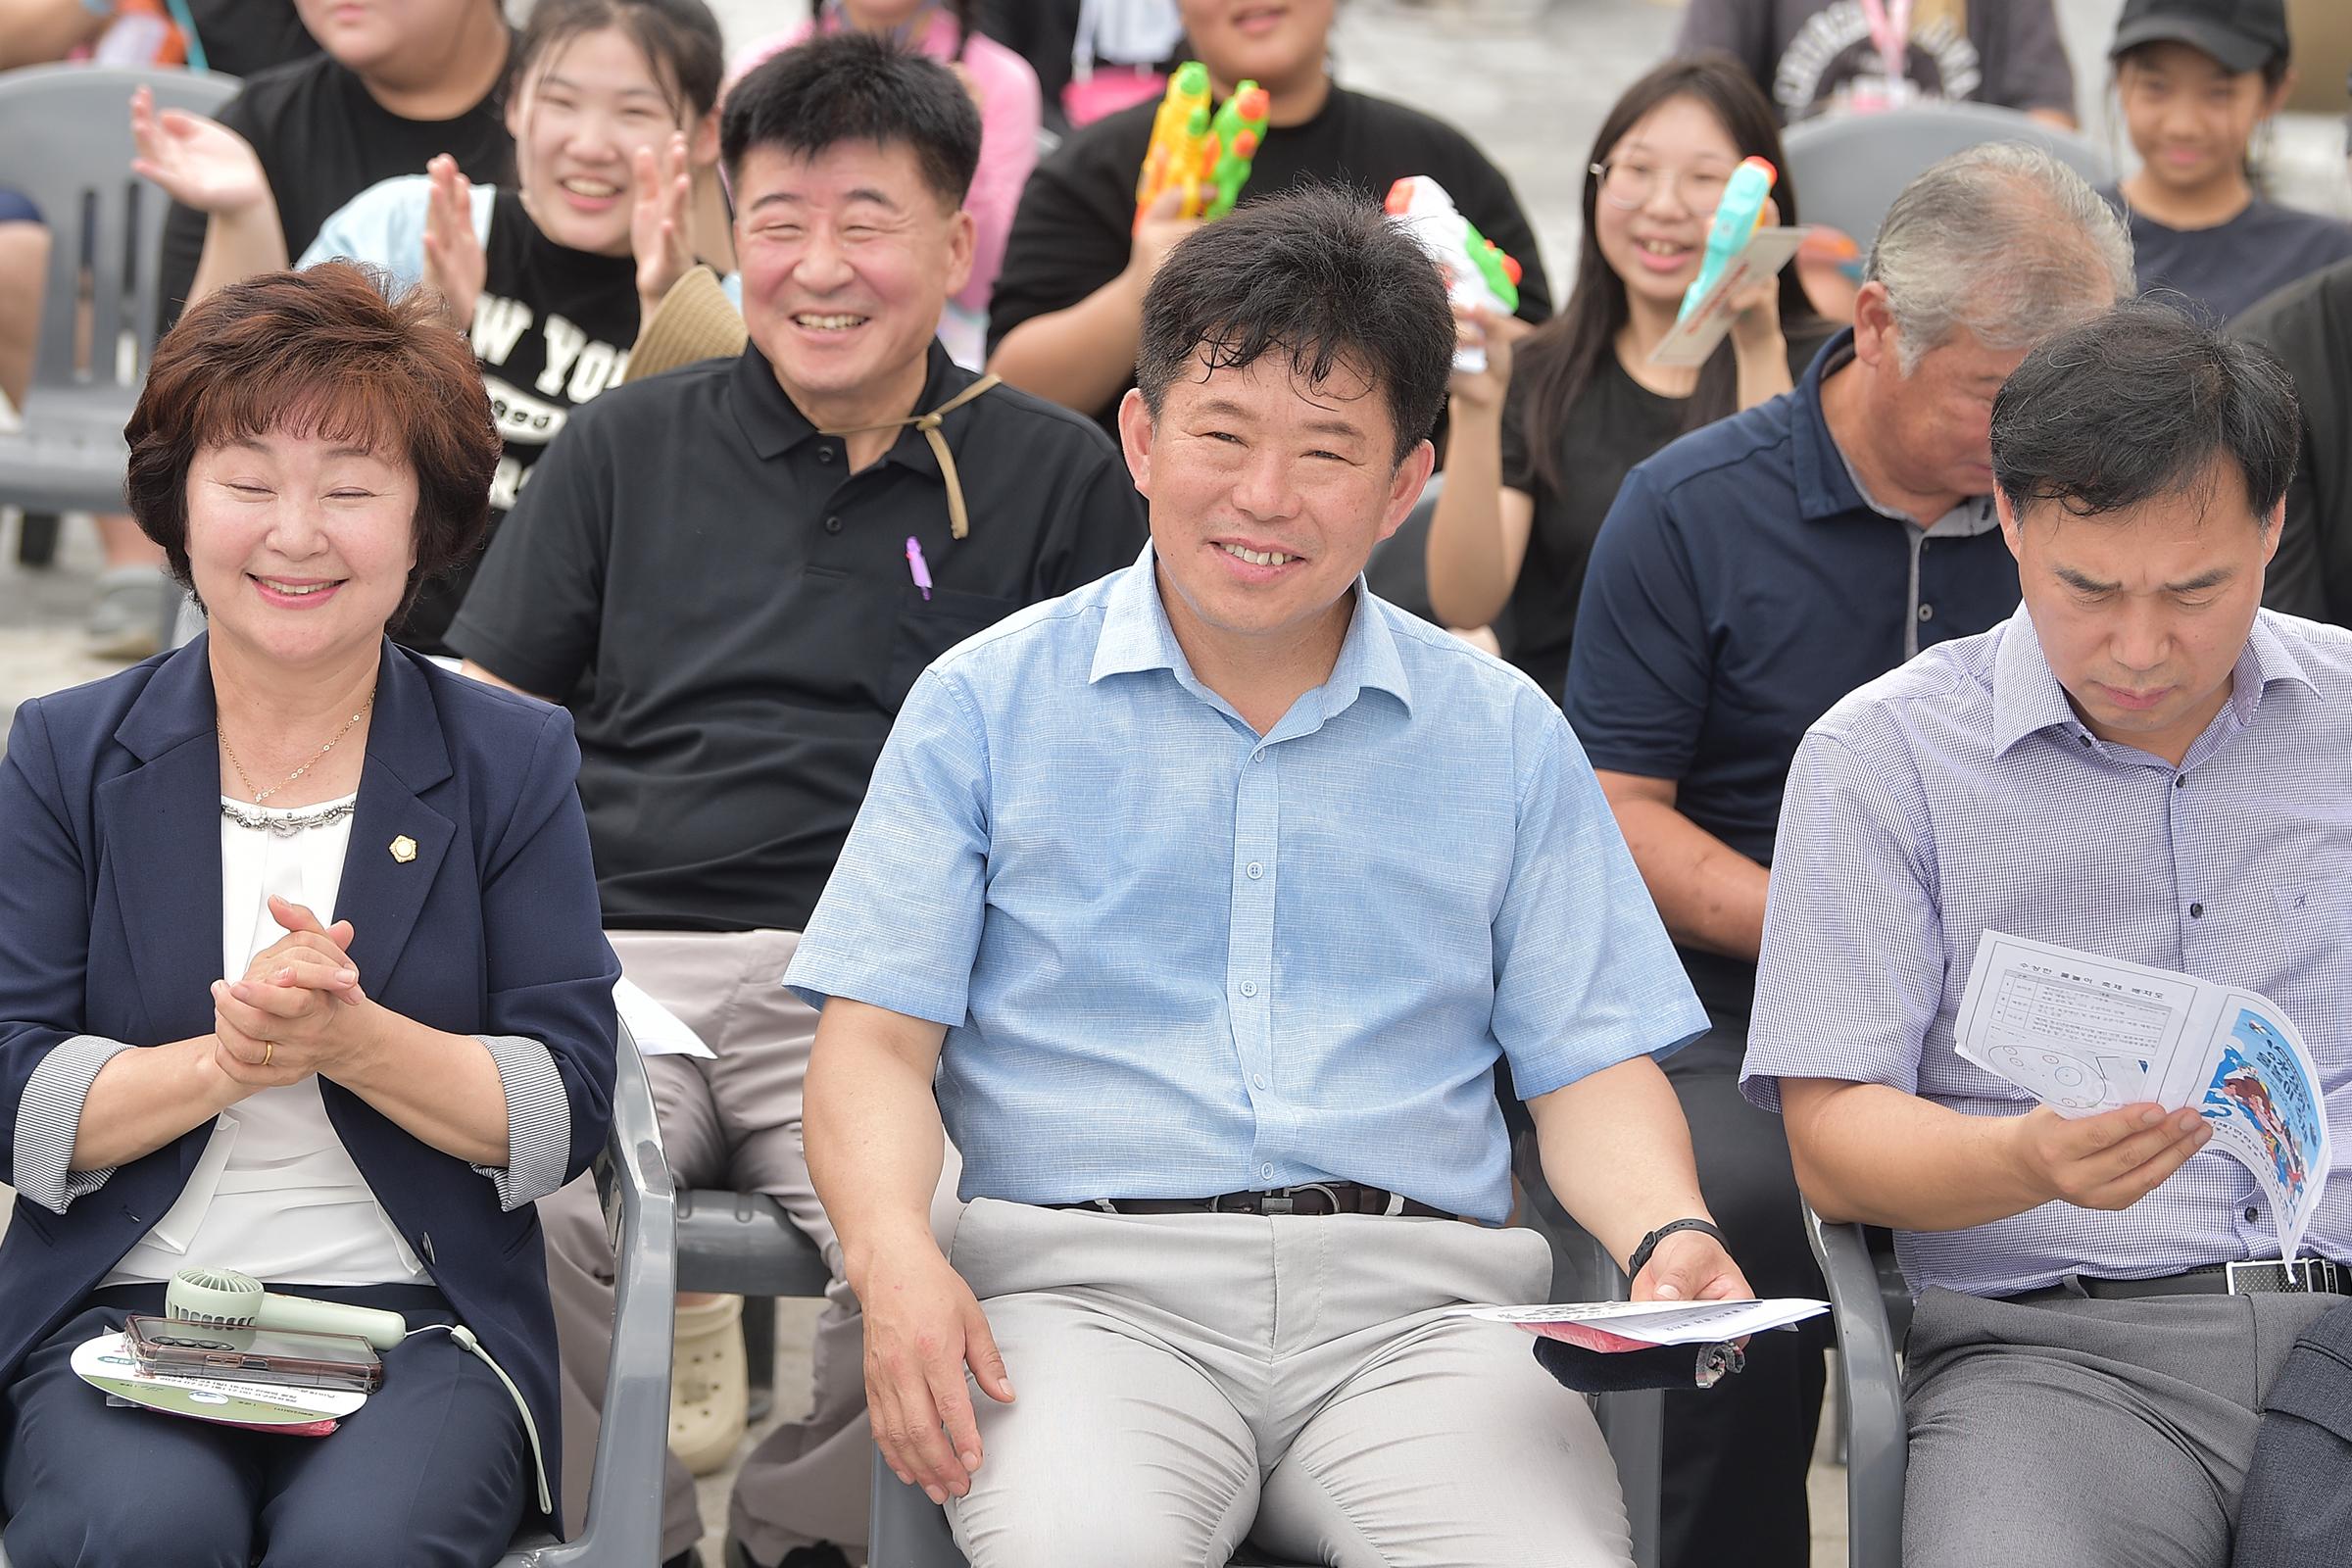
734,1122
1187,1381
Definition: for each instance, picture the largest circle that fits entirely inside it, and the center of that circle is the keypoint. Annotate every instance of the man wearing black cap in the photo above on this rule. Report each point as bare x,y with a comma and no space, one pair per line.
2196,79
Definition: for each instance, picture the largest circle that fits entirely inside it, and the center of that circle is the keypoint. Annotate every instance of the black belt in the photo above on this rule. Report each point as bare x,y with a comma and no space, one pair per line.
1313,1198
2303,1277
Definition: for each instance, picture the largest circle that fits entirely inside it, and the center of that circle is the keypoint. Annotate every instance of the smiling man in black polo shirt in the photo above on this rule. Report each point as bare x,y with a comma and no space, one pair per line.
1747,577
733,572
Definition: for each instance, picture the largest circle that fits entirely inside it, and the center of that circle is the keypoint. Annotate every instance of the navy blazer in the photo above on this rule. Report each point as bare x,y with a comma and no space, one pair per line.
109,925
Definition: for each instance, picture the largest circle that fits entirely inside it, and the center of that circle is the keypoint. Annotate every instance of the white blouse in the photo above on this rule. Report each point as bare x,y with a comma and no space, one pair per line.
275,1194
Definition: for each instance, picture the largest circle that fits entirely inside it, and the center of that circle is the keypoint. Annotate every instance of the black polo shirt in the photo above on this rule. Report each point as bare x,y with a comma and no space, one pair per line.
732,618
1741,585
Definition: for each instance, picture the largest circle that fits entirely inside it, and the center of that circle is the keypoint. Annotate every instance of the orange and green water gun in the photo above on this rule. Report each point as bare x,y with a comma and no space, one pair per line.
1206,157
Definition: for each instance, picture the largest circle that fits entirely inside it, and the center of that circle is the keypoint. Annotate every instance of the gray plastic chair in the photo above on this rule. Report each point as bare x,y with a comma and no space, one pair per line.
1849,168
67,130
624,1509
1872,1310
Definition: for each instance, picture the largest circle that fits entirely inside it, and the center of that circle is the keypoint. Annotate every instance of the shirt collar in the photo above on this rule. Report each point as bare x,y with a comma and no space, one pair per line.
1137,636
2027,697
774,424
1824,485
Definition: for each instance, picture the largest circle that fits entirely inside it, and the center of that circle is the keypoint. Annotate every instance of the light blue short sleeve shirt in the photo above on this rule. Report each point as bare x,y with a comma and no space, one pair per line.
1176,958
1960,794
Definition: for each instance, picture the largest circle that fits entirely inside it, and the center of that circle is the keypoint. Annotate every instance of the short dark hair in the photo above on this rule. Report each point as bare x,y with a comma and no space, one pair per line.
1320,275
2136,402
856,86
323,352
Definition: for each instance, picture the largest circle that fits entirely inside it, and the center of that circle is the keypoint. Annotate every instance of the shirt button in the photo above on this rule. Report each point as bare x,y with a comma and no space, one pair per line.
2085,740
1265,1170
2197,911
1927,611
1249,988
2252,1213
832,525
824,454
2180,782
1255,870
1259,1080
1258,757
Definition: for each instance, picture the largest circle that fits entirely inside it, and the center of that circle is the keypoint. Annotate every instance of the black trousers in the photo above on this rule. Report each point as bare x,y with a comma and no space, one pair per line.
1736,1455
432,1472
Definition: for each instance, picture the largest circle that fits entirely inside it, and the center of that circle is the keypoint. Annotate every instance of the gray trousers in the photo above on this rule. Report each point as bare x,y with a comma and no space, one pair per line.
1186,1381
734,1122
2054,1434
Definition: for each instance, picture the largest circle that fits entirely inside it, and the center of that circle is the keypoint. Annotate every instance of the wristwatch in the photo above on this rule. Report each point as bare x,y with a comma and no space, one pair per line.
1649,1242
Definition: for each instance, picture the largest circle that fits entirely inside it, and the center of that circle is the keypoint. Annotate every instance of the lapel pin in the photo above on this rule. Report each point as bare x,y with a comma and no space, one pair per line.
404,849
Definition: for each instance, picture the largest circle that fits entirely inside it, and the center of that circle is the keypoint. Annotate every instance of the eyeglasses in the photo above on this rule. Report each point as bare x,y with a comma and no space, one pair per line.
1628,184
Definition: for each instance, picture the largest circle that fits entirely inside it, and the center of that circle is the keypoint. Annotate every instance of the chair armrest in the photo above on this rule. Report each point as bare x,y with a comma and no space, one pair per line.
1878,1437
625,1507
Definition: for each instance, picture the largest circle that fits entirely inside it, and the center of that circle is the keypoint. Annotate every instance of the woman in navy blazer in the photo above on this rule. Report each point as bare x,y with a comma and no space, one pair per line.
308,453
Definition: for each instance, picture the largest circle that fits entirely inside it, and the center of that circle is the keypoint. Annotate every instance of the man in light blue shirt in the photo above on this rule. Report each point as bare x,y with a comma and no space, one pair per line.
1209,897
2140,763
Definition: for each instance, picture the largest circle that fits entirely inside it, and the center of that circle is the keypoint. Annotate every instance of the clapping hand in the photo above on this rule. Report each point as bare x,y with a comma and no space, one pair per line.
295,1011
453,264
199,163
661,221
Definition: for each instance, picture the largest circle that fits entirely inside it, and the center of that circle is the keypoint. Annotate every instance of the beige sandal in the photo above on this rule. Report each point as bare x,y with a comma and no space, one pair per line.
710,1383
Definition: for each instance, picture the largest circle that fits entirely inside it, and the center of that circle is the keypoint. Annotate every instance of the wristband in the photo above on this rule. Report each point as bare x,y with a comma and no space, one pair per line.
1649,1242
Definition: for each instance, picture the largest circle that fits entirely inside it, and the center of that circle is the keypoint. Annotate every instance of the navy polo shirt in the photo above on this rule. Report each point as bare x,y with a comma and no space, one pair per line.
1741,585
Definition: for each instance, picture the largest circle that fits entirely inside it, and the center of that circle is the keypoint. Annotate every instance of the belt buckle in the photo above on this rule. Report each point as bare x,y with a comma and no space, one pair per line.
1285,1200
2264,1276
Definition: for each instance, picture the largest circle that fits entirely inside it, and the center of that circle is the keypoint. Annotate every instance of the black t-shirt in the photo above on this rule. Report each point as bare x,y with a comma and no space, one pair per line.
2309,325
243,37
552,330
2228,268
322,139
1077,214
1616,421
733,617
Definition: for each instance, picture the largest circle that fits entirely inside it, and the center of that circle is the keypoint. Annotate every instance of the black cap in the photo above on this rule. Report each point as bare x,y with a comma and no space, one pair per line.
2242,34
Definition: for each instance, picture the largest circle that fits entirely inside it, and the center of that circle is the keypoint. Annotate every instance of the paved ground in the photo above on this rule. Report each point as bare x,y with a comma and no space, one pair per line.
1530,79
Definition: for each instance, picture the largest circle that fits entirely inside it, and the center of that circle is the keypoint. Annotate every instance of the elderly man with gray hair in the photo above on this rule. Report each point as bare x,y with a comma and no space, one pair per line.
1750,575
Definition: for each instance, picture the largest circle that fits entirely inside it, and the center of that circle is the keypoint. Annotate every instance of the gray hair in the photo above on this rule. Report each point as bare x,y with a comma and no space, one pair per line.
2004,240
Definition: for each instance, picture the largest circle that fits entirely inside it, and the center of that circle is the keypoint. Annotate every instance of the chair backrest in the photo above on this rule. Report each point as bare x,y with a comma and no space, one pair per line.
67,130
1847,169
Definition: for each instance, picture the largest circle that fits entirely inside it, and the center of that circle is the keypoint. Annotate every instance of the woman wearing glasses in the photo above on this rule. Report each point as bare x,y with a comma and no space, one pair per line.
1540,439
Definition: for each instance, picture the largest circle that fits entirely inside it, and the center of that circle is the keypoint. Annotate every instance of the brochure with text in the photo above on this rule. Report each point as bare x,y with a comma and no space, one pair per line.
2084,1034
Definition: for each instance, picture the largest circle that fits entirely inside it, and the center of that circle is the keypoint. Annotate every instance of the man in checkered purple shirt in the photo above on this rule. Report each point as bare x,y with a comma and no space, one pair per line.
2143,763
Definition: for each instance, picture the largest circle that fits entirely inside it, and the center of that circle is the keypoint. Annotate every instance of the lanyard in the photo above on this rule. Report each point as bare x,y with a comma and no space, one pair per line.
1889,22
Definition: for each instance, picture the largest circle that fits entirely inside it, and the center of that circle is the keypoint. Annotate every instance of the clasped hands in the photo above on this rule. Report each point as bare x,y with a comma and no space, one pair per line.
299,1008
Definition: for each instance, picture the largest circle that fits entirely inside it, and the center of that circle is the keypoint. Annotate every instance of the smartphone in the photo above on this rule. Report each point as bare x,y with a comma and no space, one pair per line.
282,1356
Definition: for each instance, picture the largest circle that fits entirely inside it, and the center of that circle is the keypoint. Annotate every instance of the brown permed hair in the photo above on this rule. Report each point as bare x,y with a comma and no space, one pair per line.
321,353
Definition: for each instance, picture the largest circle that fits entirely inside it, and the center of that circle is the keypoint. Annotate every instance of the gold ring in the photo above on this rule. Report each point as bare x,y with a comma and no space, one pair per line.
269,1050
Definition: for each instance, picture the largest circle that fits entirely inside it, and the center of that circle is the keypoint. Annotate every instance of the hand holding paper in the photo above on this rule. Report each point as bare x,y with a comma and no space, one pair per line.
2101,1041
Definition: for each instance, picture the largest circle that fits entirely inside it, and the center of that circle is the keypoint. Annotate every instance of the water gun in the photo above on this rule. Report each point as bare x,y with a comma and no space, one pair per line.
1476,271
1738,216
1235,136
1206,159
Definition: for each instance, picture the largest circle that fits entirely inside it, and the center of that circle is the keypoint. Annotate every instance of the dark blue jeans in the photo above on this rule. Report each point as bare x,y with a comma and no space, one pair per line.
432,1472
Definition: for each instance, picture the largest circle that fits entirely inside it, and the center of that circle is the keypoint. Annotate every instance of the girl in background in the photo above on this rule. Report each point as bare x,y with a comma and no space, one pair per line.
2196,81
1539,442
615,107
